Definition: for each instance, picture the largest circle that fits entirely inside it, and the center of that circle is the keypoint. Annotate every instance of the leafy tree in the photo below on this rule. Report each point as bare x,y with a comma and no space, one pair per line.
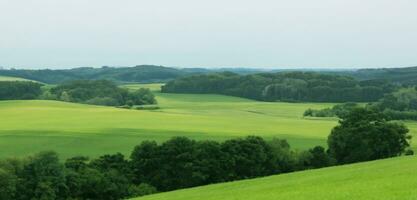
112,162
284,86
8,182
145,161
283,159
100,92
142,190
14,90
319,157
42,177
177,164
339,110
246,158
364,135
210,163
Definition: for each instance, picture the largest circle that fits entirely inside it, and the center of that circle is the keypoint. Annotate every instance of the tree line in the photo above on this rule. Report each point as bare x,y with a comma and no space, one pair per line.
398,105
285,86
181,162
339,110
142,73
97,92
12,90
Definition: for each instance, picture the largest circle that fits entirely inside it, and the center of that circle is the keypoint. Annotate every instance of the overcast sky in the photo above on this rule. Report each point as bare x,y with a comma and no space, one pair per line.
210,33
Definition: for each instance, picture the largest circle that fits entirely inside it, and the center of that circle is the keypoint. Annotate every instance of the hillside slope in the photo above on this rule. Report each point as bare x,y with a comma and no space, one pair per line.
76,129
388,179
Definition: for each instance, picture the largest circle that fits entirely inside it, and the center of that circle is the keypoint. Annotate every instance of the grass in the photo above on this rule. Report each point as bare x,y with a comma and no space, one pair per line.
75,129
390,179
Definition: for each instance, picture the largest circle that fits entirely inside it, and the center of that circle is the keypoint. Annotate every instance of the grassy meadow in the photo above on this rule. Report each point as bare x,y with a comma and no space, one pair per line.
393,179
72,129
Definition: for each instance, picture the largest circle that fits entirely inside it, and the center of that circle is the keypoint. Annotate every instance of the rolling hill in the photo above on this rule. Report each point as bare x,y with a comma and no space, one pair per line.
143,73
393,179
77,129
136,74
73,129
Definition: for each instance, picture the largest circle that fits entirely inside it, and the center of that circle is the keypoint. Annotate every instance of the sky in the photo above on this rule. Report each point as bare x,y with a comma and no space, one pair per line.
210,33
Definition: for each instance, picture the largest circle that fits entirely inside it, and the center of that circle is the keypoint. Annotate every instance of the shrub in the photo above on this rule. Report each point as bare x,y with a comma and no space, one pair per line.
364,135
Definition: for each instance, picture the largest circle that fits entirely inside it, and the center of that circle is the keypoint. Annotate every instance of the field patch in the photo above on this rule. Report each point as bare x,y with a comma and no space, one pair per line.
9,78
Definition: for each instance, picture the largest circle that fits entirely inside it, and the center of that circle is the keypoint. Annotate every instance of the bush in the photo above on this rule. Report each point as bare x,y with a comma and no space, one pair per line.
364,135
104,101
141,190
100,92
409,152
339,110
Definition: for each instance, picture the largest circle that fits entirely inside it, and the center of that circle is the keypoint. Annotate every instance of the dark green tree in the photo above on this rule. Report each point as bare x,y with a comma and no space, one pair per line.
319,157
366,134
42,177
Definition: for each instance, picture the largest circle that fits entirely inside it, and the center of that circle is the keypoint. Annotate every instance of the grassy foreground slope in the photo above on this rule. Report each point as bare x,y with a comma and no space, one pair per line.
388,179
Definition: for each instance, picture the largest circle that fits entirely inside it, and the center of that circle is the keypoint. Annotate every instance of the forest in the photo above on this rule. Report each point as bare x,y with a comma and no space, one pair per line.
153,73
142,73
96,92
285,86
10,90
398,105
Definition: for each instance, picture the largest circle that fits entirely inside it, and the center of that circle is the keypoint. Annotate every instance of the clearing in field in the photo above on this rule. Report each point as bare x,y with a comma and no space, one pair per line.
9,78
76,129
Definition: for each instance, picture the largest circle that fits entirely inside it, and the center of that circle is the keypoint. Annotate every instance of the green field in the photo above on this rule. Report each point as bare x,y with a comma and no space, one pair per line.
71,129
390,179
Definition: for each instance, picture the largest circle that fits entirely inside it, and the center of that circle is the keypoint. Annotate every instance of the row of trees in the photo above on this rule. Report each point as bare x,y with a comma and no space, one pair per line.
99,92
398,105
339,110
14,90
44,177
177,163
292,86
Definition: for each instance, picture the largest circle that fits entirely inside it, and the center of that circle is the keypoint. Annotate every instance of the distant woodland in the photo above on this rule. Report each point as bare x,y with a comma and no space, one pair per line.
152,73
285,86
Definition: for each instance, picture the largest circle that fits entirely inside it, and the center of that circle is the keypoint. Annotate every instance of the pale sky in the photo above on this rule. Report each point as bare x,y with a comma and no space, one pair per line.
210,33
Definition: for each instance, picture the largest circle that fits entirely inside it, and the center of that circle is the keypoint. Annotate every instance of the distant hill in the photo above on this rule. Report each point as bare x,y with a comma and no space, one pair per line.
137,74
406,75
143,73
393,178
153,73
